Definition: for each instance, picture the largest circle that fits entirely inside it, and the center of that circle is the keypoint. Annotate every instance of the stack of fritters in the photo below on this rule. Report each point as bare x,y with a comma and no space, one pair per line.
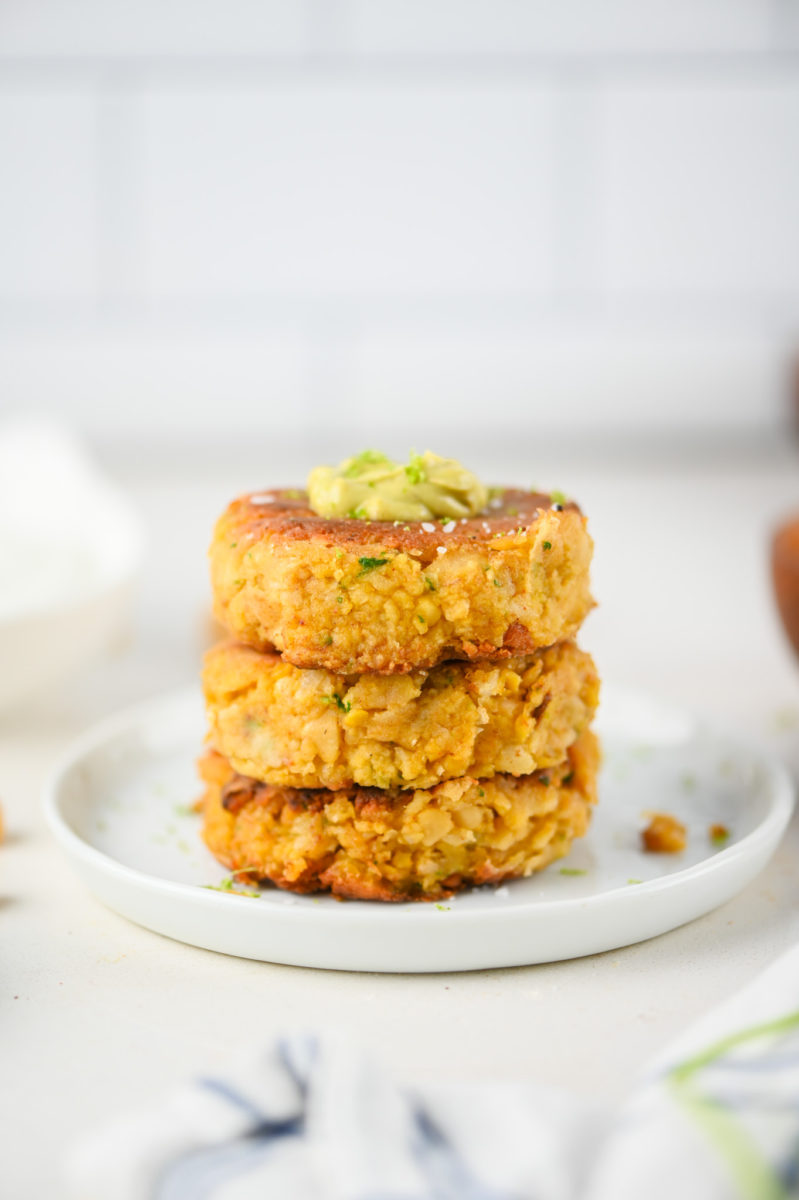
403,711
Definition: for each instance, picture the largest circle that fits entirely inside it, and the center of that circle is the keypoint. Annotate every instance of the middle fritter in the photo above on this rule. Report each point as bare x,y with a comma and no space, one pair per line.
312,728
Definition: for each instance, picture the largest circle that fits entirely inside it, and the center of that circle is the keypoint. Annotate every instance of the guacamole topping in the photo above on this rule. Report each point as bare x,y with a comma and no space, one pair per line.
373,487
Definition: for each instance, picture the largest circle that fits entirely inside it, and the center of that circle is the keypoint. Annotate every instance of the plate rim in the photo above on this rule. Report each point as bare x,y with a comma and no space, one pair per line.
772,826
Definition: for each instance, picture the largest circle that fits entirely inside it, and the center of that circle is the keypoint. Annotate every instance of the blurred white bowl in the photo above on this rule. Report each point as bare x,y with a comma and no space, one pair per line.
71,547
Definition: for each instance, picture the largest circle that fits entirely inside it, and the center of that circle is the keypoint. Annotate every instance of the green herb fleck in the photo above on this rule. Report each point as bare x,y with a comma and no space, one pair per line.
496,582
635,881
558,497
567,779
572,871
420,618
229,885
293,494
344,705
233,545
443,907
544,779
431,587
327,640
512,512
481,792
367,458
238,582
415,470
547,545
370,564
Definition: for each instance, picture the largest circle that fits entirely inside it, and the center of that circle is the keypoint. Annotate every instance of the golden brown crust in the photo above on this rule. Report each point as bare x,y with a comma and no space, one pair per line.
286,513
369,844
353,595
312,728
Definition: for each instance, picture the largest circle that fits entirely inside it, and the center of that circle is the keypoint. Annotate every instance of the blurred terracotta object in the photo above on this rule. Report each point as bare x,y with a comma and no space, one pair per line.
785,571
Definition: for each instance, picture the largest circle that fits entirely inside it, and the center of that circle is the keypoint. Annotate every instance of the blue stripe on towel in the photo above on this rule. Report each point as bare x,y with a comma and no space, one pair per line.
287,1053
196,1176
220,1088
444,1168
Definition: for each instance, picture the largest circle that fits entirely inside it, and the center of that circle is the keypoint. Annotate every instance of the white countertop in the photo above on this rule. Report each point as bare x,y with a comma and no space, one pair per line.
96,1014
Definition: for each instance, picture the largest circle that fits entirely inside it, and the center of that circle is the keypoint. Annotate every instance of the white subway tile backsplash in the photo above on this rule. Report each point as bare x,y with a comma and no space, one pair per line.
700,188
577,383
181,385
544,27
346,187
98,28
396,388
48,178
786,25
330,215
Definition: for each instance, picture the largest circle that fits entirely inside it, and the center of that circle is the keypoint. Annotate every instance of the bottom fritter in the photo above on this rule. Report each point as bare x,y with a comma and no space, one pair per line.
367,844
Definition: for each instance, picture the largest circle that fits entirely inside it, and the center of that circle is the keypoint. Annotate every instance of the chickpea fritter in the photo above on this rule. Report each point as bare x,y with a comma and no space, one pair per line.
311,728
353,595
368,844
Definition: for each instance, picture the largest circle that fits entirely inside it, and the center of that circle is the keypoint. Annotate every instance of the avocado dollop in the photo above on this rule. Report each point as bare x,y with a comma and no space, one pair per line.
371,486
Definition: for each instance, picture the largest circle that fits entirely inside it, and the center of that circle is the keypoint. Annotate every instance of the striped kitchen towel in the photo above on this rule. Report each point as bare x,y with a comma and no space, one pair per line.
313,1118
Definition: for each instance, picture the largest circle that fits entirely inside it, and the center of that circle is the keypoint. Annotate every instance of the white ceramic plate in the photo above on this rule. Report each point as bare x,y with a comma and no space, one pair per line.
119,806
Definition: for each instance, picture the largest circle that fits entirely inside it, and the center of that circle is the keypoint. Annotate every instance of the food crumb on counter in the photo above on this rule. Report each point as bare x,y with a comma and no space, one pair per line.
664,835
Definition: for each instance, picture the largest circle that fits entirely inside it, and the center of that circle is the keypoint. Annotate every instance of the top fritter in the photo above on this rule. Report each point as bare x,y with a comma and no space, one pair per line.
353,595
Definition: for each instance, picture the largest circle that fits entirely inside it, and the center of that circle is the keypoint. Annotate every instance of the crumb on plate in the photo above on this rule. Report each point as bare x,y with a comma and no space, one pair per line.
664,835
718,834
